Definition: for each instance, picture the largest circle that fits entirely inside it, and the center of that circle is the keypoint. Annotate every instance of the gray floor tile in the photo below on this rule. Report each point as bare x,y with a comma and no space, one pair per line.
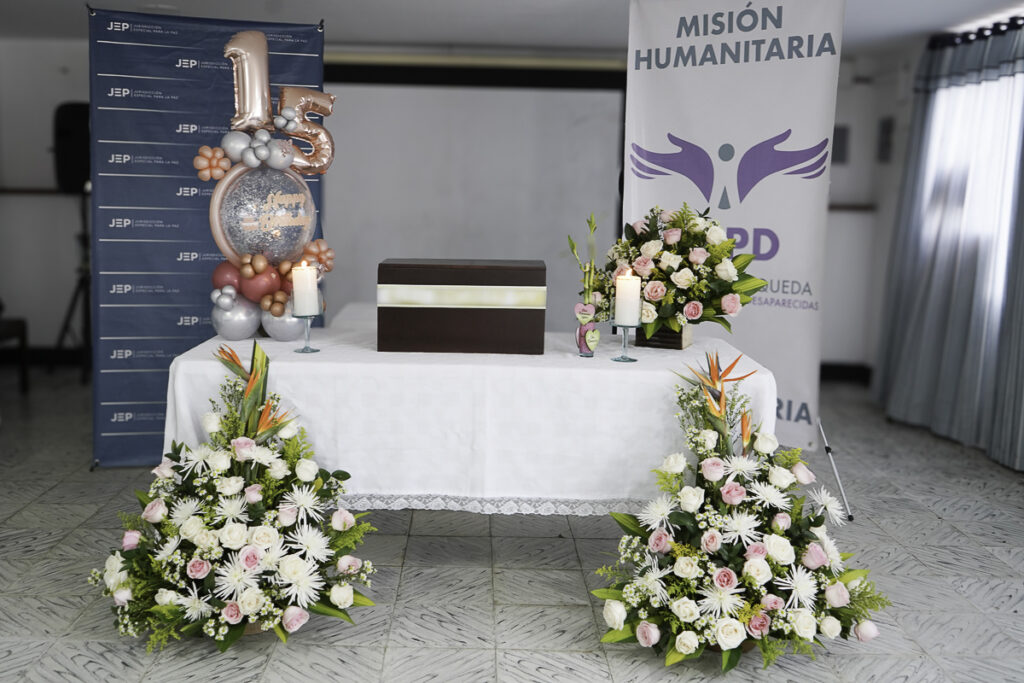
892,669
597,552
459,551
529,666
383,550
425,586
18,656
449,523
992,595
438,665
38,617
1013,557
536,526
539,587
390,521
46,516
1004,532
371,628
946,561
535,553
312,662
945,634
519,627
446,625
29,543
1005,669
92,661
197,659
595,526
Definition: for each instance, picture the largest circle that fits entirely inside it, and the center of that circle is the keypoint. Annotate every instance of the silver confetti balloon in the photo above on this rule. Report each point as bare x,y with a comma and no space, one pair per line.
240,322
284,328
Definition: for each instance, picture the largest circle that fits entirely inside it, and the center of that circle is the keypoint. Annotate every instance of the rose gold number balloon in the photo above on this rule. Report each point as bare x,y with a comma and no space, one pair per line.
248,54
306,101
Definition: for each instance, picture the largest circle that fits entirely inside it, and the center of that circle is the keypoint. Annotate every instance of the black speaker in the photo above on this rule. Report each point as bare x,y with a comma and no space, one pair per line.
71,146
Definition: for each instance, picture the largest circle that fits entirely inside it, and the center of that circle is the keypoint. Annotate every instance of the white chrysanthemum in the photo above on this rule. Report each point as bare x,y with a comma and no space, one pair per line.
742,466
196,459
825,501
769,496
263,455
720,601
167,549
196,606
309,540
652,583
232,509
304,587
273,554
835,560
656,512
233,578
802,586
304,498
185,508
741,526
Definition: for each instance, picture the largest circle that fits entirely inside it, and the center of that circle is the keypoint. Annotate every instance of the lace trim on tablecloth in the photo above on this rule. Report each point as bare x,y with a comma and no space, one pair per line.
491,506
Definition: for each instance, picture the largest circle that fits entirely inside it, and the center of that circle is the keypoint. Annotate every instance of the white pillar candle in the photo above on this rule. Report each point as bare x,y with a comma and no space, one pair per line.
304,294
627,299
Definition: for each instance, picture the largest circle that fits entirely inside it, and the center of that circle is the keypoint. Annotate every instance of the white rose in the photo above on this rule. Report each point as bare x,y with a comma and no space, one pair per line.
699,224
219,461
291,567
648,313
691,498
651,249
830,627
683,278
290,430
729,633
685,609
803,622
342,595
716,234
710,438
251,601
669,260
757,569
780,477
306,470
675,463
263,536
819,531
687,643
779,549
112,574
166,597
614,614
234,535
727,271
229,486
855,584
192,526
765,443
211,423
278,469
686,568
204,538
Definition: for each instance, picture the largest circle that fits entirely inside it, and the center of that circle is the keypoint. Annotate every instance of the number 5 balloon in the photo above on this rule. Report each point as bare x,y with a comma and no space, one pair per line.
305,101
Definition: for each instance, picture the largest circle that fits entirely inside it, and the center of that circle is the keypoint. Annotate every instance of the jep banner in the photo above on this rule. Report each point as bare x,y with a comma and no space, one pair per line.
732,107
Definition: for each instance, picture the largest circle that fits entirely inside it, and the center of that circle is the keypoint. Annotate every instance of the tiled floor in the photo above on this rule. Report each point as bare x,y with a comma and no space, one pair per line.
465,597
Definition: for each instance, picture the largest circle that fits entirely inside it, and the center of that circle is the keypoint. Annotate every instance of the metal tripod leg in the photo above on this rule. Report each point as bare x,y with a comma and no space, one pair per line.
835,471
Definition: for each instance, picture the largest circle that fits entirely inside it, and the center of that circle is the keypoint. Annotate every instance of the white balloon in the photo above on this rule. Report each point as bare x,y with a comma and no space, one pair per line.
233,143
229,290
261,152
249,158
262,136
292,126
290,113
280,122
225,302
214,295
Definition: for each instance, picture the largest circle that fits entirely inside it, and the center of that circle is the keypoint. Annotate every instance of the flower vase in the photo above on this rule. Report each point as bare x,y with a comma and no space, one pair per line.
665,338
587,334
252,629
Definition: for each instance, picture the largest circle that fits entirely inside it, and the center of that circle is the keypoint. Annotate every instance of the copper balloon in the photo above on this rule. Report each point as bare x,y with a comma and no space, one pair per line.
265,301
247,271
247,51
318,252
284,267
277,309
280,296
226,273
307,101
259,263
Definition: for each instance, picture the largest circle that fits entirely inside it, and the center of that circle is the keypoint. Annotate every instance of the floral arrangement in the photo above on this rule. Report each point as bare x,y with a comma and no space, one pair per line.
236,534
733,555
687,269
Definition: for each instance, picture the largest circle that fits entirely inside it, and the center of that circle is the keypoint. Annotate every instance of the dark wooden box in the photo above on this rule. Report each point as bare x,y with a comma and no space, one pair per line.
460,306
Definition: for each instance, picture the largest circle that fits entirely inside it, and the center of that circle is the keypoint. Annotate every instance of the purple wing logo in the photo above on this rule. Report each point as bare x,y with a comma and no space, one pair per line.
689,161
763,160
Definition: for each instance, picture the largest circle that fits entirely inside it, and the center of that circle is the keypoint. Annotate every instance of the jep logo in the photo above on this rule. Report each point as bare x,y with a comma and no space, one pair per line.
757,163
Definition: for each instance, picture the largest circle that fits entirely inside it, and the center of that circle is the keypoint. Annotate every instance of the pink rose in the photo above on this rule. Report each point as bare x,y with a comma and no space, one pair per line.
711,541
647,634
665,216
286,514
197,568
865,630
724,578
342,520
643,266
772,602
254,493
243,446
756,551
640,226
814,557
672,235
836,595
731,304
655,290
130,540
781,521
693,310
155,512
165,469
122,596
759,625
733,493
620,271
713,469
660,541
251,556
293,618
348,564
802,474
698,255
231,613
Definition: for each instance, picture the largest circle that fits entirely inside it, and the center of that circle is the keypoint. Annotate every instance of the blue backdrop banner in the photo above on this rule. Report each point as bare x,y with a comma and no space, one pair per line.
160,88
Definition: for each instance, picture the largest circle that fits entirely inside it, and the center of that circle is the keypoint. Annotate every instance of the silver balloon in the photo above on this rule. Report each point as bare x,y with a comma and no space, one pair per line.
214,295
225,302
281,154
261,136
261,152
241,322
249,158
284,328
233,143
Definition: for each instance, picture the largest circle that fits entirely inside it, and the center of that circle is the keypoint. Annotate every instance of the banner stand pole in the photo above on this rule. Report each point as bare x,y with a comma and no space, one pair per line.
835,471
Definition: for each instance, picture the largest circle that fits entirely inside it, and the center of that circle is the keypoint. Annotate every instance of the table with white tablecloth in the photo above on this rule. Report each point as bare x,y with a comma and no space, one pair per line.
492,433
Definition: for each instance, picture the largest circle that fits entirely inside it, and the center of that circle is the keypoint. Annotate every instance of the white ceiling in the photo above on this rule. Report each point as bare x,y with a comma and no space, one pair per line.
535,25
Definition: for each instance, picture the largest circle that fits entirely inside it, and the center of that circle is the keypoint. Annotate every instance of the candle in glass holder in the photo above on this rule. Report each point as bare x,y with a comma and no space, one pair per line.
627,299
304,292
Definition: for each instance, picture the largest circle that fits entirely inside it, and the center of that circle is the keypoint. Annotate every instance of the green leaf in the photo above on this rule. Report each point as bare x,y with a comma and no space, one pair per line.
673,656
143,497
166,612
234,633
721,321
730,658
673,324
341,475
741,261
845,556
607,593
651,328
748,284
630,524
622,635
281,633
193,629
360,600
853,574
328,610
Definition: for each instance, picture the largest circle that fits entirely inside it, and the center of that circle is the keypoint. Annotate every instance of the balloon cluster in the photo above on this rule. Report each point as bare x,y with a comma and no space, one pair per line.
211,163
258,148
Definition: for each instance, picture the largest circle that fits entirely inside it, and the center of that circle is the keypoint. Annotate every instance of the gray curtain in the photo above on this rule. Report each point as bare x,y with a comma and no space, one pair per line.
948,268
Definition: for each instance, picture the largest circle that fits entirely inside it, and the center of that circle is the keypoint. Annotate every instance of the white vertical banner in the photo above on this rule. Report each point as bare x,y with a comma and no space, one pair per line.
731,106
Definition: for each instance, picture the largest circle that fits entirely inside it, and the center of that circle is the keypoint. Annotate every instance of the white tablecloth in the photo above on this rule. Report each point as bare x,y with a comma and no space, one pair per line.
550,434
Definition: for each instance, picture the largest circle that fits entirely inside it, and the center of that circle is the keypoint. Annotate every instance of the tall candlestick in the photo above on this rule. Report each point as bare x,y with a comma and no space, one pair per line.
304,294
627,299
